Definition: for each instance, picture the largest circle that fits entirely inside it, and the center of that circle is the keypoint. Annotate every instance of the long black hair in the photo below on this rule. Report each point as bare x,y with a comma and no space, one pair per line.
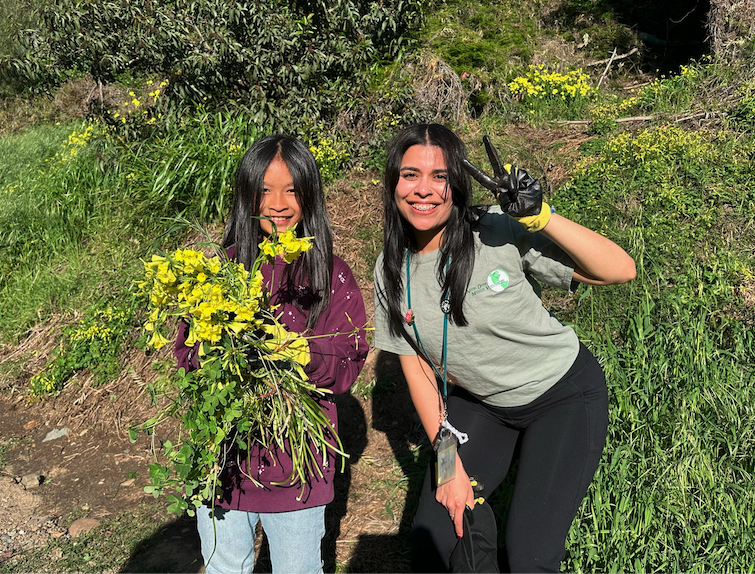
315,267
457,242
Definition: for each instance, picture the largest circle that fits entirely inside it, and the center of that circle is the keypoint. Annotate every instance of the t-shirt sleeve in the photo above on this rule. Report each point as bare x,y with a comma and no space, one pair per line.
384,340
337,358
545,261
541,259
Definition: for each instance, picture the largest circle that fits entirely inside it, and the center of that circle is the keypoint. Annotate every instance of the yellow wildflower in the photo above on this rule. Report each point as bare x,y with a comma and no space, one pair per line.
157,340
286,345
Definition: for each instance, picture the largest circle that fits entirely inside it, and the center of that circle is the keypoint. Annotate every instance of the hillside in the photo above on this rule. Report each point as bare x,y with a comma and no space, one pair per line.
639,131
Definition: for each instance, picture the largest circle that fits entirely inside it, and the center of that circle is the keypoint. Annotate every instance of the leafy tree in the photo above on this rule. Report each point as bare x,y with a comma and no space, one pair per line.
296,58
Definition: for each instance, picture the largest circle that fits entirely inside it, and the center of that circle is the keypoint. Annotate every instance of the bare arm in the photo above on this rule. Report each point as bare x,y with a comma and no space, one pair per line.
597,259
457,493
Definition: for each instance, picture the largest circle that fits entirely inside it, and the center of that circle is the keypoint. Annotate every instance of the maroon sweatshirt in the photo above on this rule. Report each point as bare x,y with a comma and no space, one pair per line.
335,363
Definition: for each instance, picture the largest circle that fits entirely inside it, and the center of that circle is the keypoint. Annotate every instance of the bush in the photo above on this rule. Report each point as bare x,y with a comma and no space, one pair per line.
286,60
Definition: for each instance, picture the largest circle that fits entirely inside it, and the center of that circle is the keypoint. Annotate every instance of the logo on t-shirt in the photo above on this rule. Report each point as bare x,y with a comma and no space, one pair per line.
498,280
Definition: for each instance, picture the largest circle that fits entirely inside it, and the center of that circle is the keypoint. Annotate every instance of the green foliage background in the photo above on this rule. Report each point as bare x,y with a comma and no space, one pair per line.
281,60
676,190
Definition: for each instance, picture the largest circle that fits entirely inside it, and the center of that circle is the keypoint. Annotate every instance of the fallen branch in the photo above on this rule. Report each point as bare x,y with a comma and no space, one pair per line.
618,120
639,119
608,65
635,119
636,86
697,115
612,58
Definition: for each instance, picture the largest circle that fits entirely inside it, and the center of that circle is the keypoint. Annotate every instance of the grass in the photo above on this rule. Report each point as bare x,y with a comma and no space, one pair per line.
82,205
672,494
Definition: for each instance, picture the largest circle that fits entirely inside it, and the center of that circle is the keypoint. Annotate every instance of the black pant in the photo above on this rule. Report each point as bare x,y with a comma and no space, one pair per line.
561,436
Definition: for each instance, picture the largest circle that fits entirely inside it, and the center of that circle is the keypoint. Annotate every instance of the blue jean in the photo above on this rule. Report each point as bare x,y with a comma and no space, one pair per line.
294,538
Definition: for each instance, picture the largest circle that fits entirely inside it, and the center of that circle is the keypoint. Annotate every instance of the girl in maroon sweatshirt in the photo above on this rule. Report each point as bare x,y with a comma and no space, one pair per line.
278,186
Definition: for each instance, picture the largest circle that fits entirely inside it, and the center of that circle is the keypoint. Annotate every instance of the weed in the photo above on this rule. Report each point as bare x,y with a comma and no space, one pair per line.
330,155
94,343
548,95
743,113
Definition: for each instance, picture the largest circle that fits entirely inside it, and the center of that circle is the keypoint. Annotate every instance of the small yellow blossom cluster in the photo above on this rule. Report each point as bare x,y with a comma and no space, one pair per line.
540,84
80,139
689,73
93,332
130,108
92,343
653,148
656,159
213,296
99,327
77,140
286,245
43,383
221,299
329,156
387,122
671,90
615,110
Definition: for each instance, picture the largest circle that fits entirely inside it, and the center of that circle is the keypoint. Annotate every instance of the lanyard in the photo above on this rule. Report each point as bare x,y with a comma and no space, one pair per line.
446,308
444,356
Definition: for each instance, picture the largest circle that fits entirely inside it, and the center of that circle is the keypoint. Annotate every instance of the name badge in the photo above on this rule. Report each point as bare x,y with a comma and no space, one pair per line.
445,456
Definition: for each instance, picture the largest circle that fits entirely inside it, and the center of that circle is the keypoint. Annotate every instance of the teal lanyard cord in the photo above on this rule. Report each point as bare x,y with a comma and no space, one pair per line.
444,355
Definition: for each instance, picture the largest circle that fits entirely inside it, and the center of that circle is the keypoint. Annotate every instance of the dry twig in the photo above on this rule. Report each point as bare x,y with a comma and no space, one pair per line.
608,65
613,57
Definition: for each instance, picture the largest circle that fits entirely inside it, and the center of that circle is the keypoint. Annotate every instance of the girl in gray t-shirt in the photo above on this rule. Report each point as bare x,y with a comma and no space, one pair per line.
488,367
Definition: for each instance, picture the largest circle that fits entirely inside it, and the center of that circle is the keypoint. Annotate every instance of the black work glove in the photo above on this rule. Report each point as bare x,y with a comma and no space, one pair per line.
519,194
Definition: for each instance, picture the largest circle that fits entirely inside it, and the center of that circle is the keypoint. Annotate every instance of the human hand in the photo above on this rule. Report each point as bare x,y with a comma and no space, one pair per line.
518,193
456,495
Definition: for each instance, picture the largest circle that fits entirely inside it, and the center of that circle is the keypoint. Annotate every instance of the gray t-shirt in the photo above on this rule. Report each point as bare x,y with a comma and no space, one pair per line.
513,349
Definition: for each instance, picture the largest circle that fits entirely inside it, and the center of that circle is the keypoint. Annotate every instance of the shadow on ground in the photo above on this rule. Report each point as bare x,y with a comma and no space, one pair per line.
394,415
173,548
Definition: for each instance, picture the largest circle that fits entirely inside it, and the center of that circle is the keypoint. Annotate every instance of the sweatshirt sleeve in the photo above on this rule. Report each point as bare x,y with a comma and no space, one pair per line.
186,357
337,359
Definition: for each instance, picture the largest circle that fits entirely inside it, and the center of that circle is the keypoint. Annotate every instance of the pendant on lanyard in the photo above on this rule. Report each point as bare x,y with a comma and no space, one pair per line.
445,442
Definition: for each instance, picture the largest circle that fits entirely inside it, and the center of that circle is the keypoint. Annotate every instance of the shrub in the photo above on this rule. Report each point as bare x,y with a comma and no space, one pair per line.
285,59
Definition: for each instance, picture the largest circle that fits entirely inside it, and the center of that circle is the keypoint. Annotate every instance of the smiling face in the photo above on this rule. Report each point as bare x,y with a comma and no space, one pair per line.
279,202
422,195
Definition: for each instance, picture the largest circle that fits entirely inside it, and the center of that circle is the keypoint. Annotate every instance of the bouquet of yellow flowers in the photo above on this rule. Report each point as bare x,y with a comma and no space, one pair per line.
250,385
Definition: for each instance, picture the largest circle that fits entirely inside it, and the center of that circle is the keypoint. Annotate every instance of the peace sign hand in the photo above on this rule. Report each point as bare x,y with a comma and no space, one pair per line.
519,194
